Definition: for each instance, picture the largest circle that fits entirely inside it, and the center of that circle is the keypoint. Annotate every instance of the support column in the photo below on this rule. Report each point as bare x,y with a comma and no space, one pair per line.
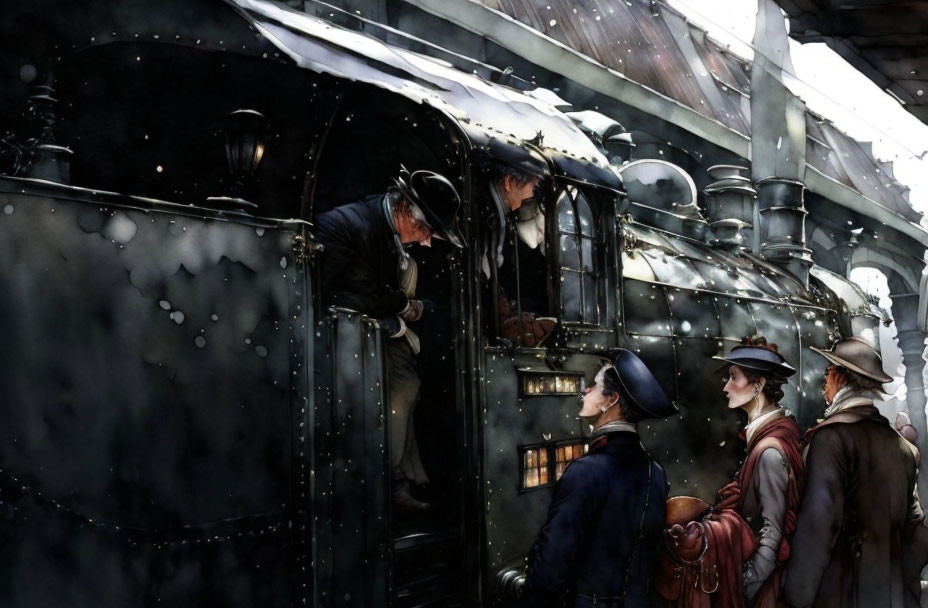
912,344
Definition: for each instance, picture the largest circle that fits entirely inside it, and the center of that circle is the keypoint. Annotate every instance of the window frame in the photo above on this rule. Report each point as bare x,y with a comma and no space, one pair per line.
598,256
550,449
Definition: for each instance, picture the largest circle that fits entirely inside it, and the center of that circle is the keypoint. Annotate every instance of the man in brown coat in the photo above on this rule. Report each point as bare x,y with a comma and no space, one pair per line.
860,511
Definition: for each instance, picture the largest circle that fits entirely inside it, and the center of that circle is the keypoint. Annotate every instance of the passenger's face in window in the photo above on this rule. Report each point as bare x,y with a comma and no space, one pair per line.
514,193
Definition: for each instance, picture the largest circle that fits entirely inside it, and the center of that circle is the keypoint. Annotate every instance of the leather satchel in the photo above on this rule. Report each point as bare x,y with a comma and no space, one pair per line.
699,561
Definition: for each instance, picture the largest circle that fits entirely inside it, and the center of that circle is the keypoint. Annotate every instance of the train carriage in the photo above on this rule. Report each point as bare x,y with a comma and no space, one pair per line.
184,422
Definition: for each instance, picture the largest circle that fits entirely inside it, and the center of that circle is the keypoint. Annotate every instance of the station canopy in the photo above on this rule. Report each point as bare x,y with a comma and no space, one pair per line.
887,40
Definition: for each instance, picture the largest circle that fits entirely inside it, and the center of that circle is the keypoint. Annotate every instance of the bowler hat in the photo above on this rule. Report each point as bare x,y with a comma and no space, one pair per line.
438,200
638,385
758,358
856,355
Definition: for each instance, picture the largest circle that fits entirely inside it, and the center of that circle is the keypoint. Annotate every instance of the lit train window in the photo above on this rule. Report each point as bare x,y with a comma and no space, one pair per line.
565,454
544,464
535,471
535,383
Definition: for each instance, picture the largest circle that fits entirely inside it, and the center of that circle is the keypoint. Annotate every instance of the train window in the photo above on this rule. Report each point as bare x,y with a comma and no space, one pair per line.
564,455
545,464
534,383
522,273
579,282
535,467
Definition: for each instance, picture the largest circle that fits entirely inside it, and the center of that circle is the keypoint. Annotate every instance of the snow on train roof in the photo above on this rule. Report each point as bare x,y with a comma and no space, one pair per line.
656,46
483,110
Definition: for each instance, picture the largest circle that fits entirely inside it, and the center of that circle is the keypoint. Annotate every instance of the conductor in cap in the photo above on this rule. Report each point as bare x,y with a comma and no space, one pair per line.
599,544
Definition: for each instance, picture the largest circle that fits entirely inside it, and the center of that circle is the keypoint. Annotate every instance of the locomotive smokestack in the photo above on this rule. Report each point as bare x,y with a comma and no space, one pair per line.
778,147
730,208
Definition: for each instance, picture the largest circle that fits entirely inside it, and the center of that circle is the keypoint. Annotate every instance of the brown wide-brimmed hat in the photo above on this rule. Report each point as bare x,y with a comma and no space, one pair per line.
856,355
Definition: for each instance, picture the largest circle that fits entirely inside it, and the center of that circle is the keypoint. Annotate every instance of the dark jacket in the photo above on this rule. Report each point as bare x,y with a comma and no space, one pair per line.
857,517
360,262
588,545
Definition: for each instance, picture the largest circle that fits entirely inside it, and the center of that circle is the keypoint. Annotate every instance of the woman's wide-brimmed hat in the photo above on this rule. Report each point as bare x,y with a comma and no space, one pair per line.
856,355
639,386
758,358
437,198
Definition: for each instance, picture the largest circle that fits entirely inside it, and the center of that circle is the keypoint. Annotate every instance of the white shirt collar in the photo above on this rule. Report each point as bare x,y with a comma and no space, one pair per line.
761,421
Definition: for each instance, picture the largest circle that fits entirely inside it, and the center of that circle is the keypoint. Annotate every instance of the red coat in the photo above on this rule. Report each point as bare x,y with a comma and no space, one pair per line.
783,435
700,565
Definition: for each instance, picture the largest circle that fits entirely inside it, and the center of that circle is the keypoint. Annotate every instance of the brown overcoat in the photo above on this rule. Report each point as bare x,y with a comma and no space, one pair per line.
857,517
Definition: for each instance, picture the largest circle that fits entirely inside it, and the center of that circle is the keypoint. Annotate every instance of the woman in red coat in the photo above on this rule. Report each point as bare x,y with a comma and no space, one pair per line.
767,489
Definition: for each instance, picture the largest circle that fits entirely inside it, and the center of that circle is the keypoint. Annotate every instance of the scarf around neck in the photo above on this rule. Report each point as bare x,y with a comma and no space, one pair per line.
847,398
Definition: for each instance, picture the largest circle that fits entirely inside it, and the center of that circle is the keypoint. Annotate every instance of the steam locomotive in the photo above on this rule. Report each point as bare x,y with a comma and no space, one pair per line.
184,423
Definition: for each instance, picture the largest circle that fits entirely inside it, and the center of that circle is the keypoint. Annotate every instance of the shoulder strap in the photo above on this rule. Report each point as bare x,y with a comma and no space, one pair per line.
640,537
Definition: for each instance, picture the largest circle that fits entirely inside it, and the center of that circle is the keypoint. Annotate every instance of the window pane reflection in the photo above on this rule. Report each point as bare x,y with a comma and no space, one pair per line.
580,293
570,295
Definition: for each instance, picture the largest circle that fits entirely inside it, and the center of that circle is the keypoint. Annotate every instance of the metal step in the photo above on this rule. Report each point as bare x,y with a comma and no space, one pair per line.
426,569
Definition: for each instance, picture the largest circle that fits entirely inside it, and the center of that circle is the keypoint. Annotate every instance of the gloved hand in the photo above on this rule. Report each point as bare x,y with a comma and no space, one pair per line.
413,310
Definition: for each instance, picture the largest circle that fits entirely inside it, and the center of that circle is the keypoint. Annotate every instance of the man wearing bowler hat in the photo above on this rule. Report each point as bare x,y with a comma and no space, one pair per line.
860,514
365,268
599,544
